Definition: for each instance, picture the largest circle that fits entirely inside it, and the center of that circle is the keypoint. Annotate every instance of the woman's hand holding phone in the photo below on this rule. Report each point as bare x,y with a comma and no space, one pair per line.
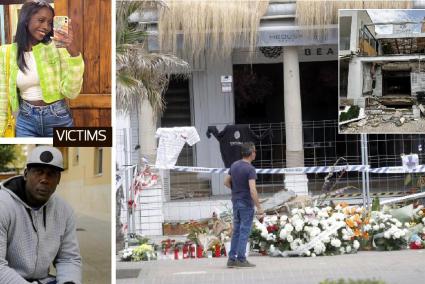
64,37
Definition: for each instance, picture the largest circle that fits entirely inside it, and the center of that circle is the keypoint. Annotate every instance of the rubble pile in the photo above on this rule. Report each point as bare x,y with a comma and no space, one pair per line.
382,113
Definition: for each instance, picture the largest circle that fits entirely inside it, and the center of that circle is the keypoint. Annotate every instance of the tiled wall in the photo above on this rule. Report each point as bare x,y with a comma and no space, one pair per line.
194,210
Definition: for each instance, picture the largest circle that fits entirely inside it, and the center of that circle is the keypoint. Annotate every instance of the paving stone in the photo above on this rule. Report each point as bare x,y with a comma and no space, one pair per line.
392,267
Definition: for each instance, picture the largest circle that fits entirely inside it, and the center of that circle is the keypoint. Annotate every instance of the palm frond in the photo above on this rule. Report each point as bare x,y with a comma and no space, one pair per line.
140,74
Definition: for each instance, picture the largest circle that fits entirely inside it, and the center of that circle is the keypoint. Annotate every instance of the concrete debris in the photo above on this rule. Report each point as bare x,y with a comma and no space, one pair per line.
397,114
387,117
422,108
375,123
277,200
400,122
389,112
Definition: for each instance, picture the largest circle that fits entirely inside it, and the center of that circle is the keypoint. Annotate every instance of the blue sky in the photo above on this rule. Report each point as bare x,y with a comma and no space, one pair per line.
388,16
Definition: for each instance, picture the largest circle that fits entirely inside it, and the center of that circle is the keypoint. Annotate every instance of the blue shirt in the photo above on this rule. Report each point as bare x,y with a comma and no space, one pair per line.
241,172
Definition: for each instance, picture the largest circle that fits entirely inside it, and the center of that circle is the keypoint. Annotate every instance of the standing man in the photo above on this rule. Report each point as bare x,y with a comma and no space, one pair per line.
37,228
241,180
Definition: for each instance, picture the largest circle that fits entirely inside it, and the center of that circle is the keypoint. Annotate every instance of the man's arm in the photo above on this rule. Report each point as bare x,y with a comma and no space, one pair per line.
68,261
7,274
228,181
254,196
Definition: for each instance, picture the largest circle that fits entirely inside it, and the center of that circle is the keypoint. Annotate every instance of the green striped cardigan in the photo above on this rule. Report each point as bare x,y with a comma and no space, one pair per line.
61,76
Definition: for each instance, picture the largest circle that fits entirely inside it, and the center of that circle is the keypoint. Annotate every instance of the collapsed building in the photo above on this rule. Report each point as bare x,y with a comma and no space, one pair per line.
381,74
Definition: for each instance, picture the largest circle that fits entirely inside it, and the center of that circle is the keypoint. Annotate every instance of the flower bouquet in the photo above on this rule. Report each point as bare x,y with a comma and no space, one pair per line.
387,232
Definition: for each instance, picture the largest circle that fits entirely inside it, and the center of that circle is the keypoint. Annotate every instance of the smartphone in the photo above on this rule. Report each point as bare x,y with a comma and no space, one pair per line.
60,23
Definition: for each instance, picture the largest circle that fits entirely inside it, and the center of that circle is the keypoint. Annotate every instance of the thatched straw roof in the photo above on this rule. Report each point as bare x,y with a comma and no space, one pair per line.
321,13
217,25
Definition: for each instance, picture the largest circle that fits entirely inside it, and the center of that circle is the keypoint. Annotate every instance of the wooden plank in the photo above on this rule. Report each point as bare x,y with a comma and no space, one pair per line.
91,46
100,101
105,50
76,15
7,27
61,7
105,117
86,117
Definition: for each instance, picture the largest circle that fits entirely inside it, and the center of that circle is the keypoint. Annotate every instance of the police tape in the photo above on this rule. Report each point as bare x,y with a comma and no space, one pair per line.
297,170
398,170
310,170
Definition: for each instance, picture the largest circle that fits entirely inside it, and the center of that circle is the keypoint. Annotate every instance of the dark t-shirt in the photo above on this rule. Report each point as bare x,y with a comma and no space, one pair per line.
231,138
241,172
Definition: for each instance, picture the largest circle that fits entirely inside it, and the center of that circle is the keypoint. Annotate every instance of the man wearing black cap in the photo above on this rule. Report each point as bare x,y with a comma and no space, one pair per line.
37,228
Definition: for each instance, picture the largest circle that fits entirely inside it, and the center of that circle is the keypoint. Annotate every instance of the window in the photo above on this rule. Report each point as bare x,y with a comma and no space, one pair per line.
98,161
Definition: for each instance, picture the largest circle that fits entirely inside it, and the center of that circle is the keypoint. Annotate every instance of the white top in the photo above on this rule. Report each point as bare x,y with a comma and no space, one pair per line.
171,142
29,82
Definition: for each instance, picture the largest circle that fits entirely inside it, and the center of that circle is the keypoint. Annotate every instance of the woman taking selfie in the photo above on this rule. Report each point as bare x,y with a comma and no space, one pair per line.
38,73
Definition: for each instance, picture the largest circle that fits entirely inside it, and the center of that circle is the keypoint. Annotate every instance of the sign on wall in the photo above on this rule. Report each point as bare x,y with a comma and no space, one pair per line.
226,83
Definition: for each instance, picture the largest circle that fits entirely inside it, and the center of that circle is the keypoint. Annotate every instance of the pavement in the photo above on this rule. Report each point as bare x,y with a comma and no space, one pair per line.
396,267
94,236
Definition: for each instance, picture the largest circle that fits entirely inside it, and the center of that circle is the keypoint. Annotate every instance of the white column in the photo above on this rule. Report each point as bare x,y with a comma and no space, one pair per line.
293,121
355,82
147,130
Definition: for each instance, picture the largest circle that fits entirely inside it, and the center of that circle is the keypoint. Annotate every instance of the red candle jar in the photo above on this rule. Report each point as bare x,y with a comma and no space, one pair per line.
199,251
217,251
192,251
185,250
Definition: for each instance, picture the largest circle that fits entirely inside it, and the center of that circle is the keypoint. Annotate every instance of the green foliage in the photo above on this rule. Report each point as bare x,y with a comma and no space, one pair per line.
7,155
352,281
195,229
375,204
141,75
143,252
353,112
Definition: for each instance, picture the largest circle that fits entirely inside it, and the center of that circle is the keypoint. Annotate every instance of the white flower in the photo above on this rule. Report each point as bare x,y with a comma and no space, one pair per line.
284,217
397,235
387,235
356,244
402,233
289,228
375,227
273,219
313,254
283,234
338,207
423,220
323,214
289,238
382,226
314,232
315,223
348,249
271,237
346,237
339,216
326,240
367,227
298,228
294,211
342,250
272,248
336,243
307,253
319,248
309,211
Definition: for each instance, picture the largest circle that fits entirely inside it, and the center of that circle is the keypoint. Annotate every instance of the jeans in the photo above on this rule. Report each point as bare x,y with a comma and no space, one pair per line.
38,121
243,216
